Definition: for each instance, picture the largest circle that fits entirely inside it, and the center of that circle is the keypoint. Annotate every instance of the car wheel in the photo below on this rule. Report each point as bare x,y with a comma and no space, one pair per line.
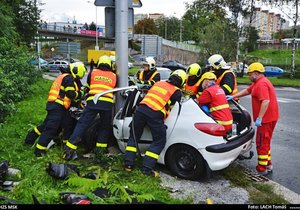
186,162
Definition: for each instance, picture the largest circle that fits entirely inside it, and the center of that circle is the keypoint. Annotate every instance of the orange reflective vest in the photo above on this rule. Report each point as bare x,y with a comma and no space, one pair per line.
55,89
192,89
141,75
218,81
158,97
102,81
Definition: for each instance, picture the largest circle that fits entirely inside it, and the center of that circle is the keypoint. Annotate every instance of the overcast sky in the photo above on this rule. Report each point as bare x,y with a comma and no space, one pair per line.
85,10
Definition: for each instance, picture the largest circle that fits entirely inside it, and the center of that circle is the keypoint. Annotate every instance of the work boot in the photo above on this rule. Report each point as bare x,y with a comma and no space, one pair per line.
270,166
128,168
39,153
69,154
31,137
149,172
262,170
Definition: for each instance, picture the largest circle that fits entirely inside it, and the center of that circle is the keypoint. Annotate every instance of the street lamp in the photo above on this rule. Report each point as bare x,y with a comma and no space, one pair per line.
97,46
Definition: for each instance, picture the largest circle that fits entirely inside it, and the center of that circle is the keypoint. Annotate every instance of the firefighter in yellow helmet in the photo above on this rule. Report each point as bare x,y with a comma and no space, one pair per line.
148,75
214,98
152,111
226,78
101,79
62,92
193,83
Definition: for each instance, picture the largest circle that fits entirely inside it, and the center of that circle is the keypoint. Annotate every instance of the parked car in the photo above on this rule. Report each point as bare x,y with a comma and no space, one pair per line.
130,65
57,64
73,60
43,63
174,65
273,71
164,72
196,144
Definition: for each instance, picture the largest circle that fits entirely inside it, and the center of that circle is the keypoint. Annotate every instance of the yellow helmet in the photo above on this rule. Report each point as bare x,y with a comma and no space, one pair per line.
216,61
178,77
77,70
256,67
208,75
194,70
104,60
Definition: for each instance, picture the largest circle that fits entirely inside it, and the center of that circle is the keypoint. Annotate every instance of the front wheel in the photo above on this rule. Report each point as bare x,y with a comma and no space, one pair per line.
186,162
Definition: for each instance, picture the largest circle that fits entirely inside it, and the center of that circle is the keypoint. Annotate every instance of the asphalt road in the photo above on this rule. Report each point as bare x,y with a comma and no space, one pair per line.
285,144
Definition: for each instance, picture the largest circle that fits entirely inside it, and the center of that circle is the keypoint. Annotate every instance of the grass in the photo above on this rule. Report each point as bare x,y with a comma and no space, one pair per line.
259,192
109,171
275,81
36,181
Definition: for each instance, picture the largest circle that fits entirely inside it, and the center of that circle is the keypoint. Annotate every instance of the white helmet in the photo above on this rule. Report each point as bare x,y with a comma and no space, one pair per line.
216,61
151,62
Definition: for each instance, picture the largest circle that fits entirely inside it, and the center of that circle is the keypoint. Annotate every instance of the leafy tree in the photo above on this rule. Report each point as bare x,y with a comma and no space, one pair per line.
206,23
6,21
25,15
145,26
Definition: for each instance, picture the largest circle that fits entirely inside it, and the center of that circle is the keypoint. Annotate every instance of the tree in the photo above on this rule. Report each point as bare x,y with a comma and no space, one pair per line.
293,14
145,26
206,22
25,15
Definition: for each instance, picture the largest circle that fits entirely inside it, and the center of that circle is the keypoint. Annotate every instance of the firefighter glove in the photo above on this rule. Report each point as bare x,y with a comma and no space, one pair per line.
229,98
258,122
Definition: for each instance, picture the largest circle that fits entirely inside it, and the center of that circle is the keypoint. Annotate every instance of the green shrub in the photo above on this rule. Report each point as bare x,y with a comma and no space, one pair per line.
16,75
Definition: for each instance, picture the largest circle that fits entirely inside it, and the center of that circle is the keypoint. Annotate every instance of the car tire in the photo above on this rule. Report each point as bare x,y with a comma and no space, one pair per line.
186,162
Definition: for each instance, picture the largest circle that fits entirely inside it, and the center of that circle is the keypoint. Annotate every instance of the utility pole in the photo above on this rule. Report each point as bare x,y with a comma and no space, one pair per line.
180,35
121,40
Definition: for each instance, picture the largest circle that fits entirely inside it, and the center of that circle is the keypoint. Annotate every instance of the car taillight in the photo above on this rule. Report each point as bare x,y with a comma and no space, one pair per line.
214,129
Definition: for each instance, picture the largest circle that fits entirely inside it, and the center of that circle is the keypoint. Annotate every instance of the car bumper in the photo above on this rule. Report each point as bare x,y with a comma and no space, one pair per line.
231,145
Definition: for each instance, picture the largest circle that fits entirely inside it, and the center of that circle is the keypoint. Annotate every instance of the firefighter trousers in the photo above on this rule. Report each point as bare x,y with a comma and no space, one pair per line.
86,119
263,142
158,131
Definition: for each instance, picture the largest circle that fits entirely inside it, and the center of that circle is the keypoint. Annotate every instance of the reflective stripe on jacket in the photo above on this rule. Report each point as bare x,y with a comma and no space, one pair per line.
102,81
55,89
218,81
158,97
141,75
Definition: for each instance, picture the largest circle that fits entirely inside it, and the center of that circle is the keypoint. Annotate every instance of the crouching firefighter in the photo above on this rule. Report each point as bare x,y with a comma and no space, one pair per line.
152,111
61,94
99,80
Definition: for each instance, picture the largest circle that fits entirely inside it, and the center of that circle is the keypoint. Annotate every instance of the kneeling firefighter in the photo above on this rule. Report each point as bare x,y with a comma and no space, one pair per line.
61,94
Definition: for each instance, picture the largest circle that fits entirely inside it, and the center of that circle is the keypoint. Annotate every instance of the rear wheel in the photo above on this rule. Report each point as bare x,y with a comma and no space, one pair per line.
186,162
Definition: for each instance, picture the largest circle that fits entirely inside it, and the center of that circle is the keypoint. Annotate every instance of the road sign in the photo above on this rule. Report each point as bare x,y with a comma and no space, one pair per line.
111,3
110,22
69,47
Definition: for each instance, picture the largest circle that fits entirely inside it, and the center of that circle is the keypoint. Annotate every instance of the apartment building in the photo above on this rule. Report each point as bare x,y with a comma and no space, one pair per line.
266,22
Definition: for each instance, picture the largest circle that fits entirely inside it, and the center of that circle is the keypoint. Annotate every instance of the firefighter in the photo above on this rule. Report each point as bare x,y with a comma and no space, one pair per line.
148,75
101,79
152,111
214,97
226,78
61,94
265,113
193,82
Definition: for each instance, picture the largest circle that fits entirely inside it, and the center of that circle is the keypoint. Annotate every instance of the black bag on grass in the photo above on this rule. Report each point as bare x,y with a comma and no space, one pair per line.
61,170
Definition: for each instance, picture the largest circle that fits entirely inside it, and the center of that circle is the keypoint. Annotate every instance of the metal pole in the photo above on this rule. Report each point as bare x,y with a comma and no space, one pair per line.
121,28
97,46
180,38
